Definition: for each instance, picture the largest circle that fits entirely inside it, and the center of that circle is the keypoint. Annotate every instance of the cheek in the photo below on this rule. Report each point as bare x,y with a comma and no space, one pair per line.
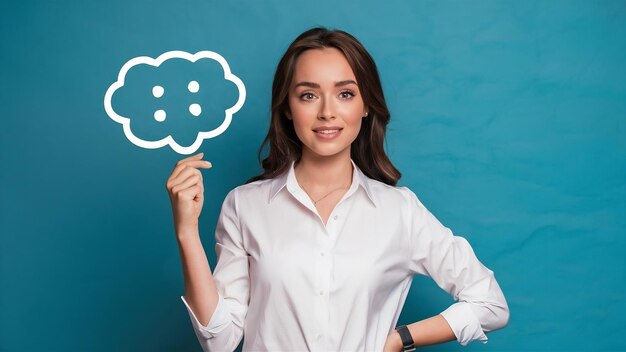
352,112
355,120
356,127
297,117
301,111
354,117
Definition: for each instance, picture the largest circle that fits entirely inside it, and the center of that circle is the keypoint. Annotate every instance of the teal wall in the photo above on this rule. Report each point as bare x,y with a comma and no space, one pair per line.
507,122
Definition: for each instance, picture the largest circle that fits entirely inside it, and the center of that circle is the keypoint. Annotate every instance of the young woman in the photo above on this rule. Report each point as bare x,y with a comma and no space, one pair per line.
318,252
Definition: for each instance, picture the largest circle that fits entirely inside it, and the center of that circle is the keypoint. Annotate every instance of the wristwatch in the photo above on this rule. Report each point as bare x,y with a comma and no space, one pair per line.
407,339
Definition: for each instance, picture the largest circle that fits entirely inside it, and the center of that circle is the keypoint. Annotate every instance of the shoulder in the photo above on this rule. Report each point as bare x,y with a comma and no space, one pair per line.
388,194
401,198
253,187
249,191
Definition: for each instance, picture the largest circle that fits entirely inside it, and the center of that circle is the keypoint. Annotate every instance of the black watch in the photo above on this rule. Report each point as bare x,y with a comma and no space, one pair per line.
407,340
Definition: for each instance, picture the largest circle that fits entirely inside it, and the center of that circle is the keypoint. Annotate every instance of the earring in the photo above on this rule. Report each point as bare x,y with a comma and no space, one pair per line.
366,114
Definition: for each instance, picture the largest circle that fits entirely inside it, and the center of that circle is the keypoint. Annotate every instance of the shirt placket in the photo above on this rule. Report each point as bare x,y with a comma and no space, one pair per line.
326,241
322,287
322,274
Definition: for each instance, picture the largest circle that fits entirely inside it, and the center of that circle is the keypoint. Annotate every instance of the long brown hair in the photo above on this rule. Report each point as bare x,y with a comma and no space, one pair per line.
367,150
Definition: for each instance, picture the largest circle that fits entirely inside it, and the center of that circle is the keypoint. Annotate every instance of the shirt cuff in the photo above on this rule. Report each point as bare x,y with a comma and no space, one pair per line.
464,323
218,322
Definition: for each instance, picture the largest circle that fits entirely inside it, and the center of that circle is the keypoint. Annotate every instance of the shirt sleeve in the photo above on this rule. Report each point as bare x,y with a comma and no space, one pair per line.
224,330
451,262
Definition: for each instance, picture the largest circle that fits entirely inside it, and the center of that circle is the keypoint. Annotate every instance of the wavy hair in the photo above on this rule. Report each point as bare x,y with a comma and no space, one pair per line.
367,150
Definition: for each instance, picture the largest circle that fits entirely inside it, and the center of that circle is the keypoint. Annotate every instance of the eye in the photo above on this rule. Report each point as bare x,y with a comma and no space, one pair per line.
346,94
307,96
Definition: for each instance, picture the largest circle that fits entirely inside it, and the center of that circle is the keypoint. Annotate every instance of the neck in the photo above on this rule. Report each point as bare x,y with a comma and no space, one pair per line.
324,172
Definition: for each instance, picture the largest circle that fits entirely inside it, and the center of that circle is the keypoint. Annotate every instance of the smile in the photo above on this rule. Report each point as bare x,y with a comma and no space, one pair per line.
327,131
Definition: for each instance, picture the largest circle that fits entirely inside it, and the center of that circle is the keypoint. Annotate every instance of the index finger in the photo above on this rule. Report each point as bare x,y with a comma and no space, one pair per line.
197,156
197,163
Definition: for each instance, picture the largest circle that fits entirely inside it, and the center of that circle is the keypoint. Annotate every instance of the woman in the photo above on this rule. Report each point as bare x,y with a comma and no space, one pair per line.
319,251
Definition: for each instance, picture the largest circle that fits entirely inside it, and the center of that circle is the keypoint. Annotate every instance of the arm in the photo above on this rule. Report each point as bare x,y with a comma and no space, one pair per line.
186,192
218,316
451,262
425,332
200,291
216,303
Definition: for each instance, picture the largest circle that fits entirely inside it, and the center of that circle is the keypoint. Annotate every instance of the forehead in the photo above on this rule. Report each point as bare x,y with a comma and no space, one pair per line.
326,65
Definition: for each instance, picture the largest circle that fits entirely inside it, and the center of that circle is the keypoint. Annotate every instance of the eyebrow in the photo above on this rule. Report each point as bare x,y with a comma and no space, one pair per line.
315,85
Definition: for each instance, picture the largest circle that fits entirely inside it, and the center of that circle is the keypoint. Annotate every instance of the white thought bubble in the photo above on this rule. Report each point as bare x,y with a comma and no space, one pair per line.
158,91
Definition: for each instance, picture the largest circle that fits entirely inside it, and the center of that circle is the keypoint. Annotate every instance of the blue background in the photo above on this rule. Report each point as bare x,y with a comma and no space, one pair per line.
507,122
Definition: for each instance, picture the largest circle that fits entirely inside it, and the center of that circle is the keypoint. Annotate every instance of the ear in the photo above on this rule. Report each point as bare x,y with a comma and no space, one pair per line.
288,114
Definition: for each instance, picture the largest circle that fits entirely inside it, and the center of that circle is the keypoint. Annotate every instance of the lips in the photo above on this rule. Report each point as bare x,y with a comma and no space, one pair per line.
327,133
327,129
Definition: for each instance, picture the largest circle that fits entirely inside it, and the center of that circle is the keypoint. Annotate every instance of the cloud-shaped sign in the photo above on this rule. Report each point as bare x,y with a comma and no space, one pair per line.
157,91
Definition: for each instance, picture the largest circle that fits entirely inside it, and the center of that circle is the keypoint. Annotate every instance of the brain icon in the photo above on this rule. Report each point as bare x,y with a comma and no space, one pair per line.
178,99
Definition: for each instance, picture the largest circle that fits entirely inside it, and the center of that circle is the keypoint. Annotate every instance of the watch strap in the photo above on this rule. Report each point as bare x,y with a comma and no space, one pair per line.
407,340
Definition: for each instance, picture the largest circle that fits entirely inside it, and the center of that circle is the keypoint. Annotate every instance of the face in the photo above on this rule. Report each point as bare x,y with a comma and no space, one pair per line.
325,103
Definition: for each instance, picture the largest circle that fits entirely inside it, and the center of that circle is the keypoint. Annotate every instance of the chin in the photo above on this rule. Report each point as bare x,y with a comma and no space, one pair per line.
327,152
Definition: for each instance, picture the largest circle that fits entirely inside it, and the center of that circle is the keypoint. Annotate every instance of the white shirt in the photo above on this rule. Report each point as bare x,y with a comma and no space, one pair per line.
290,283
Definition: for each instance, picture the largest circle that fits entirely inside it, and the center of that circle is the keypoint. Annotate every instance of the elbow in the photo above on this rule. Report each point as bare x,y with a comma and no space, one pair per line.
502,318
492,316
499,315
496,311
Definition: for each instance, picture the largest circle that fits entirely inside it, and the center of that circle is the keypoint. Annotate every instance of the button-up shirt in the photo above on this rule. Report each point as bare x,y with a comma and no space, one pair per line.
288,282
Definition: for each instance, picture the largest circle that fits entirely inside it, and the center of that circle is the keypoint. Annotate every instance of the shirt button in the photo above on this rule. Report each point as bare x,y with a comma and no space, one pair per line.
321,293
322,254
318,336
335,217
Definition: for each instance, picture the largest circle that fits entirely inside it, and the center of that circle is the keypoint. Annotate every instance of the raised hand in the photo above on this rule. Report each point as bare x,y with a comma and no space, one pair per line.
186,191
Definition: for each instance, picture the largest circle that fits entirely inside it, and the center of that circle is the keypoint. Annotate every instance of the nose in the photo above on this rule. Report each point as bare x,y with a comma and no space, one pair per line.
326,109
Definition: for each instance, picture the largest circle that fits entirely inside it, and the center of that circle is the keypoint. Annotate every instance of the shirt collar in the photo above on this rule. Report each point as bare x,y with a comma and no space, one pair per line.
288,179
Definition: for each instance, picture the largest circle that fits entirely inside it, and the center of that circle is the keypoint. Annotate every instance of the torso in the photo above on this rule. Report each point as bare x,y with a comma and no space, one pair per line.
361,259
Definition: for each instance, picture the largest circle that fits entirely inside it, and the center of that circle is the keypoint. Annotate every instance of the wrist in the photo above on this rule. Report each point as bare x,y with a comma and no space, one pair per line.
397,341
187,231
406,339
